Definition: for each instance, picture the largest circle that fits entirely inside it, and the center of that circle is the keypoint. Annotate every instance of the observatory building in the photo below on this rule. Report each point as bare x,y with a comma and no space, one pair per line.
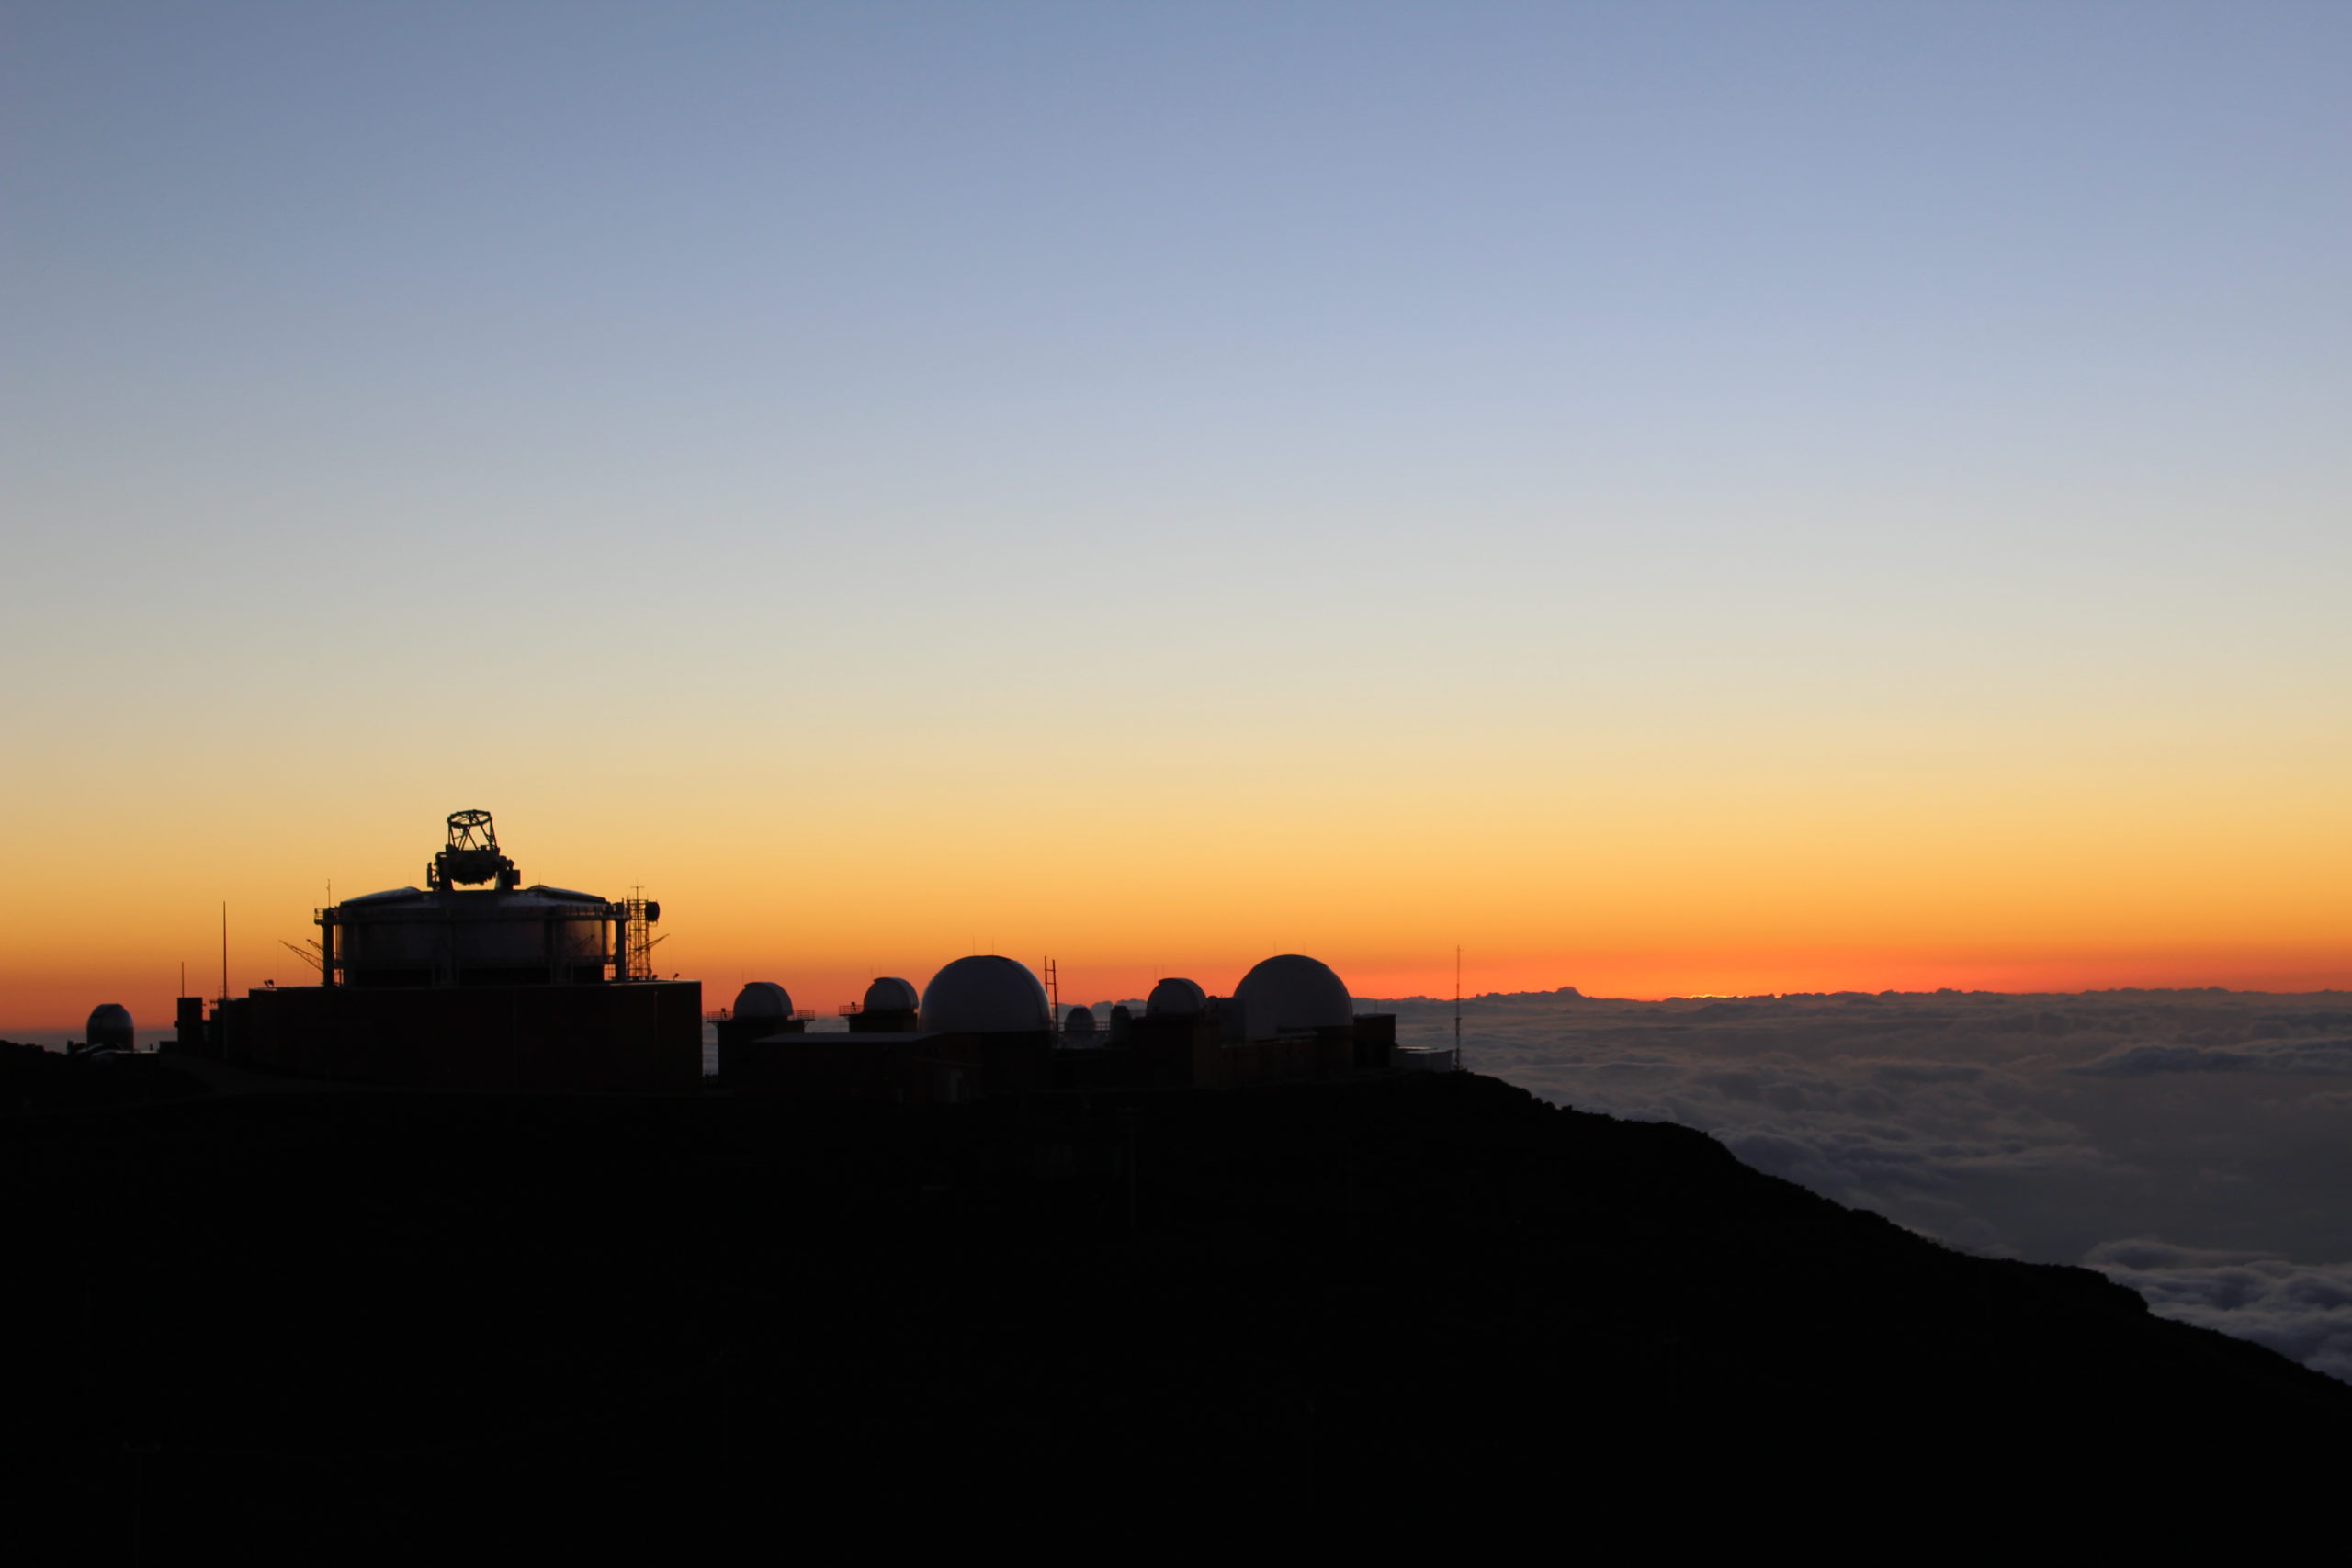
984,1026
474,981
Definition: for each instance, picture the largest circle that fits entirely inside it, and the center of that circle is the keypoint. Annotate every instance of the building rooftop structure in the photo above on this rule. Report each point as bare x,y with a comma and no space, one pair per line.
985,995
985,1025
110,1029
472,980
1291,991
764,1000
890,994
1175,998
477,981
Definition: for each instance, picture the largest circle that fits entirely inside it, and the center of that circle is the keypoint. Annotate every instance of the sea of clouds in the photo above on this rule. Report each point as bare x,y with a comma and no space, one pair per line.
2195,1145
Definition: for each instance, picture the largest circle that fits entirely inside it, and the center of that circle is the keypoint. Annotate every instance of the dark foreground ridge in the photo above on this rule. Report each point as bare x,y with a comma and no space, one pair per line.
300,1319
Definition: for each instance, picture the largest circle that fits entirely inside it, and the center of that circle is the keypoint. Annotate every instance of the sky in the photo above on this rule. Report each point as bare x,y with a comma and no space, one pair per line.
1668,498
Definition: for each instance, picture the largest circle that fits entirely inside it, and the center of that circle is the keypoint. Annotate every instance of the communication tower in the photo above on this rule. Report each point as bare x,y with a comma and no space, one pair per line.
637,941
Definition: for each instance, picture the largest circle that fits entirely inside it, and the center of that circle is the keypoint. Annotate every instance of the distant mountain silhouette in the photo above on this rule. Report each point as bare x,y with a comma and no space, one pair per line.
297,1320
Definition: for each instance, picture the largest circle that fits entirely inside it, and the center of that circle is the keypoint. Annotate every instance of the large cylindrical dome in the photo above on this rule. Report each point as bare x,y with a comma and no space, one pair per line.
1291,992
985,995
535,935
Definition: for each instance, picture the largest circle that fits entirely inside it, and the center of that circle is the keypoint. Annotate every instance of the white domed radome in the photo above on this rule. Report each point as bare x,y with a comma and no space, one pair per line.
763,998
1291,992
1175,997
1079,1020
109,1026
985,995
889,994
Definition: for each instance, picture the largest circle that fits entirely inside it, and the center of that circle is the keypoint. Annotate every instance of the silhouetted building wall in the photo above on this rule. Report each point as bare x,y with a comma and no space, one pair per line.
635,1035
1157,1051
187,1028
502,988
928,1069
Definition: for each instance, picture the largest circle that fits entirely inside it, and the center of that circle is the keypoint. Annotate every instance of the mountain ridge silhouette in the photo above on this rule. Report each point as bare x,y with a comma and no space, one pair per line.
304,1310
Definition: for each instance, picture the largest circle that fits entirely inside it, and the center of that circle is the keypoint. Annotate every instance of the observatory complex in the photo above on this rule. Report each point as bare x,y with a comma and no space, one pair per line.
984,1026
476,981
472,981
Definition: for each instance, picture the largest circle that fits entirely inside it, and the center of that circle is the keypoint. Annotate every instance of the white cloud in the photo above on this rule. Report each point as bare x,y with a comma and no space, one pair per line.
2333,1057
2303,1309
2035,1127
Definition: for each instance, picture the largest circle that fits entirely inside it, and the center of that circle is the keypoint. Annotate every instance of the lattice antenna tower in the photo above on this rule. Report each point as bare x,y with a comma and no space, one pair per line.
638,941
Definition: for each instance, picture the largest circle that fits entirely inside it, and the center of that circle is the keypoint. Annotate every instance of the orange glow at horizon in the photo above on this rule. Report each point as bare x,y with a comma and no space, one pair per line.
1639,875
59,1001
1648,909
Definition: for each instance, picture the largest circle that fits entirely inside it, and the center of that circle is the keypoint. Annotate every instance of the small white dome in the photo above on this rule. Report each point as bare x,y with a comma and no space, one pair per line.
889,994
985,995
1080,1021
110,1025
1181,996
762,999
1291,992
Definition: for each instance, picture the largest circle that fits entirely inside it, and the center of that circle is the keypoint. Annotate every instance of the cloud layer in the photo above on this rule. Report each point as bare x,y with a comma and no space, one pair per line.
2298,1309
2196,1144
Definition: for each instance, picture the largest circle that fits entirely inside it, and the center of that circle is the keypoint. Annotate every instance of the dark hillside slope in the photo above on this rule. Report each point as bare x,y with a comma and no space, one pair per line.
316,1314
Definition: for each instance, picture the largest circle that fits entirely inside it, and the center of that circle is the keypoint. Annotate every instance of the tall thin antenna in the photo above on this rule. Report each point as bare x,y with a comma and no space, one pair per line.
224,950
1457,1009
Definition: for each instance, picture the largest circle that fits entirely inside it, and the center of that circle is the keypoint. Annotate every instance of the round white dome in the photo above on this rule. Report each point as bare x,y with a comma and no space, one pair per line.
985,995
888,993
1291,992
1175,997
762,999
1079,1020
110,1025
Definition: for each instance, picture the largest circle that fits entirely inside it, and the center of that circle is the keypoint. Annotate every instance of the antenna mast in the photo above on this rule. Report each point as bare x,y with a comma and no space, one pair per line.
1457,1009
637,915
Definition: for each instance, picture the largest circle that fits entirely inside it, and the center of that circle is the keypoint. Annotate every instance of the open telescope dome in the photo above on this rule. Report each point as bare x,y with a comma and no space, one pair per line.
985,995
1293,991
